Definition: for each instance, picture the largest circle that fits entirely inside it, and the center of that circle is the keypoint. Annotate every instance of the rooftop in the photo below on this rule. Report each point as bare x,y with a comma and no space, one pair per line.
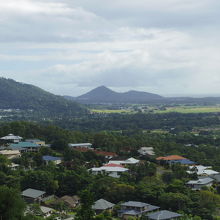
202,181
102,204
23,145
32,193
135,204
11,137
50,158
172,157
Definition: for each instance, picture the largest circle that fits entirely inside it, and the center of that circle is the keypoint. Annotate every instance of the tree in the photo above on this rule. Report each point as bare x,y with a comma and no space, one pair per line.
85,212
11,204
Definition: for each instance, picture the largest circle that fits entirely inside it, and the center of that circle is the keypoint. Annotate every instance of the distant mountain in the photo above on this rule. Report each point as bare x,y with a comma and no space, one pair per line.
15,95
103,94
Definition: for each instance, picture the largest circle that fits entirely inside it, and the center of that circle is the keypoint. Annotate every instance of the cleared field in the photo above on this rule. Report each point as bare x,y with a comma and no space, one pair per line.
110,111
184,109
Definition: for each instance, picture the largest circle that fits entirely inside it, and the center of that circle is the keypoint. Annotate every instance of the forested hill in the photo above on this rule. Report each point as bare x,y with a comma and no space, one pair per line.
103,94
15,95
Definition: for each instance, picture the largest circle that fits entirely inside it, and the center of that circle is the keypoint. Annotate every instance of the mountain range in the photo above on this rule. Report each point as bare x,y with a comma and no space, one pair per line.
103,94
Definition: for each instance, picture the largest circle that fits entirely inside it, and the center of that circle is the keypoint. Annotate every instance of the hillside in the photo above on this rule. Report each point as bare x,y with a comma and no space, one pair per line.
15,95
103,94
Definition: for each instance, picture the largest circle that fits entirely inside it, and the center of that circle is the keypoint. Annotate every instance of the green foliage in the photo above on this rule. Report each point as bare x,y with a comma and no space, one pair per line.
11,204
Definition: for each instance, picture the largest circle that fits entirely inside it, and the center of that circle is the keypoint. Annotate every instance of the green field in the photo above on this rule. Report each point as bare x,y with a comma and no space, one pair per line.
191,109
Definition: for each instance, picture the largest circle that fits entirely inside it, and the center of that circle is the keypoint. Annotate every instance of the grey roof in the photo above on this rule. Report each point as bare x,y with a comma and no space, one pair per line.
134,204
136,212
102,204
216,177
164,214
202,181
32,193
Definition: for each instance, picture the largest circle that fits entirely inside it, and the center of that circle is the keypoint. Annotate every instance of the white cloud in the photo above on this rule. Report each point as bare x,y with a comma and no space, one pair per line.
68,46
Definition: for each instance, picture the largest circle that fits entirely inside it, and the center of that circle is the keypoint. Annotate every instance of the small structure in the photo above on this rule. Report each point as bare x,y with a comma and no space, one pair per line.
14,166
198,184
164,214
71,201
110,171
146,151
55,160
11,138
33,195
10,154
25,147
81,145
102,205
135,209
36,141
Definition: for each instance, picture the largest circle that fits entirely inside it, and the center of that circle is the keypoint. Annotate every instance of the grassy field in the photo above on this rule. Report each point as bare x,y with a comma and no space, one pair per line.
191,109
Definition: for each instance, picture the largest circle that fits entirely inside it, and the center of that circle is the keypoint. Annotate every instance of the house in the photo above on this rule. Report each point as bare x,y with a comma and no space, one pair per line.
135,209
102,205
164,214
11,154
81,145
170,158
202,170
11,138
71,201
36,141
25,147
129,161
146,151
198,184
46,211
33,195
110,171
55,160
14,166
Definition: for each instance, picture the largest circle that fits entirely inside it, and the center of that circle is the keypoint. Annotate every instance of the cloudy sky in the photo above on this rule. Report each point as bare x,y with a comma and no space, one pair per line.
169,47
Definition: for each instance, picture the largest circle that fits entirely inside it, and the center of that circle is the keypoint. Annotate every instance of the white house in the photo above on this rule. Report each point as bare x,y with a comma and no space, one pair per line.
202,170
129,161
149,151
198,184
110,171
11,138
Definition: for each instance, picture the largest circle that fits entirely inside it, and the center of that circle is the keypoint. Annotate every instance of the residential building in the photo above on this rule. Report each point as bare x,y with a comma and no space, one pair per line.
47,212
80,145
163,215
11,138
71,201
102,205
33,195
25,147
129,161
36,141
11,154
198,184
202,170
146,151
135,209
110,171
55,160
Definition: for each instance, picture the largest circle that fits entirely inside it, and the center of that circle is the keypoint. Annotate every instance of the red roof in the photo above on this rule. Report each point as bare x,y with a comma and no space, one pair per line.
171,157
113,165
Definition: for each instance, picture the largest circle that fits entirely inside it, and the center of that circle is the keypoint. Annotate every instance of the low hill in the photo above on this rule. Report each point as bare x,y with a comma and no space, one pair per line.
103,94
15,95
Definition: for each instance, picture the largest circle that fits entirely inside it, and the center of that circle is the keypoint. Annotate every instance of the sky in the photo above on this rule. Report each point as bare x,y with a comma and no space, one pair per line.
68,47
